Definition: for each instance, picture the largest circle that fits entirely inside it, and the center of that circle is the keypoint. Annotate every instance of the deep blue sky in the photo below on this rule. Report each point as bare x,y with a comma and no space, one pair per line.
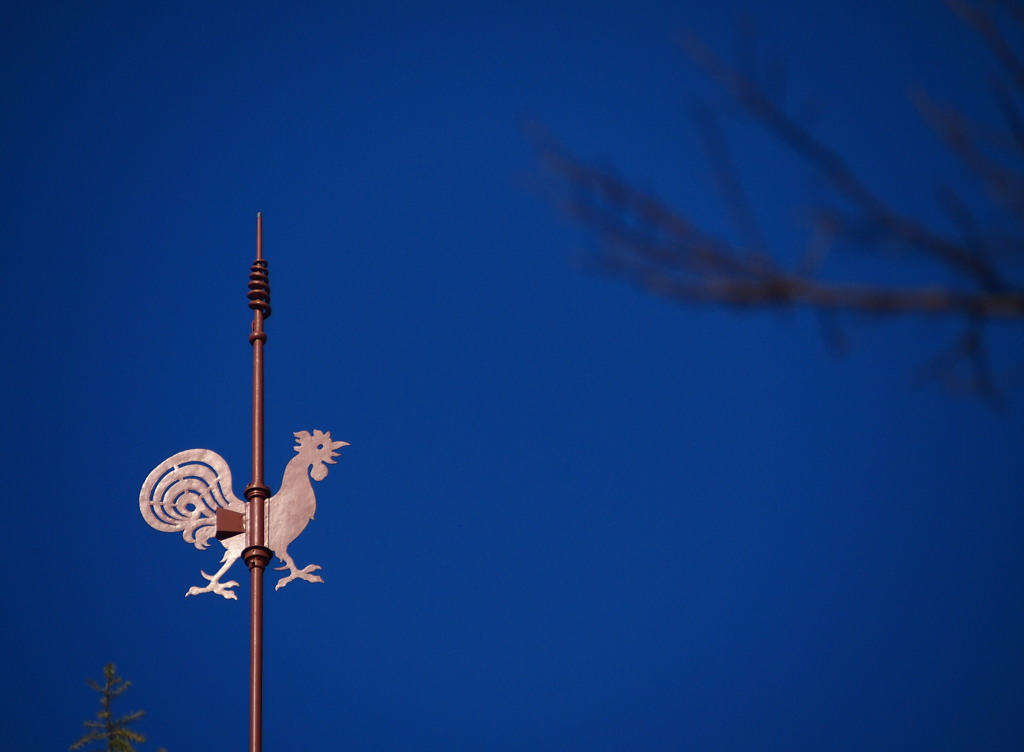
572,517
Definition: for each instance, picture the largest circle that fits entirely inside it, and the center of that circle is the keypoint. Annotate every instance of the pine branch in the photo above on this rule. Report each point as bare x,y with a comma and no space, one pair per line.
642,240
115,732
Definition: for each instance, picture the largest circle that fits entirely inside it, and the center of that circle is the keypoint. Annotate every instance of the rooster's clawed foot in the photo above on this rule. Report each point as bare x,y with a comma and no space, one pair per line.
298,574
220,588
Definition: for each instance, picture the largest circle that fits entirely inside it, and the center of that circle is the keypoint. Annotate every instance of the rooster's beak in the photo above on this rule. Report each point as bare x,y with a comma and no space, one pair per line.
335,445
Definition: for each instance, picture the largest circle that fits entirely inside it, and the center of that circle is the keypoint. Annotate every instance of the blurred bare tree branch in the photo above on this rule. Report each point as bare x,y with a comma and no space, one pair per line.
642,240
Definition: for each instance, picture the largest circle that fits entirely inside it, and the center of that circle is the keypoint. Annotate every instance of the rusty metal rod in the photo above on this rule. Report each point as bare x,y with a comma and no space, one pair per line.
256,554
258,339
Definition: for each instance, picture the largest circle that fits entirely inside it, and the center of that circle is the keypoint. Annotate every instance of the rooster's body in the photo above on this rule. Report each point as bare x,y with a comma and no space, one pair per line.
184,492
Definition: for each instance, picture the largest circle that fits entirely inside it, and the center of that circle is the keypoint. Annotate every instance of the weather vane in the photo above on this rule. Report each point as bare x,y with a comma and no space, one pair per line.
191,493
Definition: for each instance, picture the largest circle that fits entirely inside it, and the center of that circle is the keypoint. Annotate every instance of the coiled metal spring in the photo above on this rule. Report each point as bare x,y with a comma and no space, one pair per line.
259,288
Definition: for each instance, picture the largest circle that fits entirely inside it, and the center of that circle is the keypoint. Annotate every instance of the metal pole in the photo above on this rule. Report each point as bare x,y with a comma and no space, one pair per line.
256,554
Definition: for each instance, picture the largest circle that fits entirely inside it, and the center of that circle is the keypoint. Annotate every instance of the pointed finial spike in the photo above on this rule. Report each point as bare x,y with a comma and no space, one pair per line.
259,235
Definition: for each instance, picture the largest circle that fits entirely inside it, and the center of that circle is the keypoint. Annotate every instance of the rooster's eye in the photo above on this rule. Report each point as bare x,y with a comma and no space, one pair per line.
319,447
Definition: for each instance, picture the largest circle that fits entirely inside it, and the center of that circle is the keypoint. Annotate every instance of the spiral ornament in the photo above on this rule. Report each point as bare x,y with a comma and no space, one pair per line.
259,287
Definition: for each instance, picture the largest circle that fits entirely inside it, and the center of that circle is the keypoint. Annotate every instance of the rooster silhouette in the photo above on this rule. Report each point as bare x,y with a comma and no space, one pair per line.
183,493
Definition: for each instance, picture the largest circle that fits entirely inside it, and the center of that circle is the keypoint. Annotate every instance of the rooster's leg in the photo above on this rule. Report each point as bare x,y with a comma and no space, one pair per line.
216,586
296,574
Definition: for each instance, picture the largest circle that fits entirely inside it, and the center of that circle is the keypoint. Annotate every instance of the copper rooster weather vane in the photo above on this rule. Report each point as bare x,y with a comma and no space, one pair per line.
191,493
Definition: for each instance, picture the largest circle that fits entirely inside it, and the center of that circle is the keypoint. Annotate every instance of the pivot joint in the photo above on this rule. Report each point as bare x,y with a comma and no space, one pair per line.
257,556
